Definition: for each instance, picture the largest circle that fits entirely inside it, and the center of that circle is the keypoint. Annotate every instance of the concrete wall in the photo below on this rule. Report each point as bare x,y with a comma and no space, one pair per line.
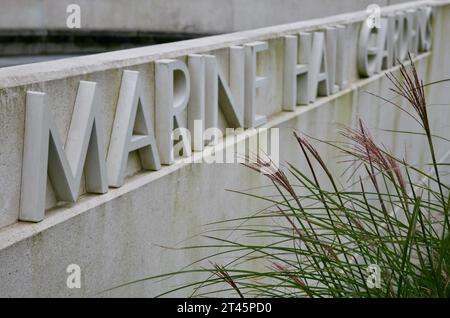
116,237
192,16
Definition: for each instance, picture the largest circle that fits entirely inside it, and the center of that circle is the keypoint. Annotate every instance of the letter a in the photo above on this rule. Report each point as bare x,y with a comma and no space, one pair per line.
132,130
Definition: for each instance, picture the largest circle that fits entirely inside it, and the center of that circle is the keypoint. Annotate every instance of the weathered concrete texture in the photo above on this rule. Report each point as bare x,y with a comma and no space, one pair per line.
199,16
116,237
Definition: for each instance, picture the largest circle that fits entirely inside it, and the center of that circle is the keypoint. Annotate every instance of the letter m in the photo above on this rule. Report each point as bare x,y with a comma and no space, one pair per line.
44,154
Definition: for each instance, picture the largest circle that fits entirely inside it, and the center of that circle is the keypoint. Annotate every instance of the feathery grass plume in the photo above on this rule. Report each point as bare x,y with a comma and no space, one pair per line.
363,148
222,273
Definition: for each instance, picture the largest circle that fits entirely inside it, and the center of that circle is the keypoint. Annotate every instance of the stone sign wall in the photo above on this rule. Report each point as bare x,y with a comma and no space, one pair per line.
86,143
